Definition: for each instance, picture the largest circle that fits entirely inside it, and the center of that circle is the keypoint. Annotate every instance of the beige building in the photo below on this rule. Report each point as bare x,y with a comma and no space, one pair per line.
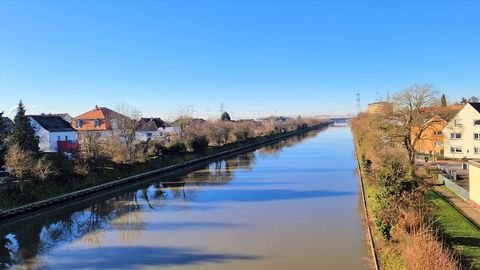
474,181
462,133
381,107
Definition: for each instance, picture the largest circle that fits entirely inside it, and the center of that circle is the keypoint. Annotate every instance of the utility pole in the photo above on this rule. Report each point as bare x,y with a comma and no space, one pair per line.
221,108
358,103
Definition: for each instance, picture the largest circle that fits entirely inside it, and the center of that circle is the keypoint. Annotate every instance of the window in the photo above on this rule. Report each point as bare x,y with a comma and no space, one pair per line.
437,144
437,133
79,123
455,136
476,150
58,139
66,138
454,150
458,122
97,123
149,135
476,123
476,136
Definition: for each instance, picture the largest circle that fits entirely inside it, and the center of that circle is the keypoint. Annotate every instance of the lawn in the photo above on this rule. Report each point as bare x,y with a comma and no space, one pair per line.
459,233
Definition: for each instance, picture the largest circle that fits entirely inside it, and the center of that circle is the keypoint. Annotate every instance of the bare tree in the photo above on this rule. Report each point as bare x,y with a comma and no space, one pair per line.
409,120
126,122
20,163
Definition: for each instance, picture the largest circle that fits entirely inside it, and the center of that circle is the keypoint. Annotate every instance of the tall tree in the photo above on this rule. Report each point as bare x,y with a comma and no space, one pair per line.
3,141
411,121
443,101
23,133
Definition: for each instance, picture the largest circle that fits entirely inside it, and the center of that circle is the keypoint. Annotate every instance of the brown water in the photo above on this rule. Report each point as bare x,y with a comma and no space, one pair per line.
293,205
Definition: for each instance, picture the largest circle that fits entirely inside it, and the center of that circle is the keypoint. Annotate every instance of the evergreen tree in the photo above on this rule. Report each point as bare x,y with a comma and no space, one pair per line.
443,101
23,133
225,117
3,138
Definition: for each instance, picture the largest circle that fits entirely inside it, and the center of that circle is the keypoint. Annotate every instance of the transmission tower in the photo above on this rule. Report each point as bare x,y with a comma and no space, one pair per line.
358,103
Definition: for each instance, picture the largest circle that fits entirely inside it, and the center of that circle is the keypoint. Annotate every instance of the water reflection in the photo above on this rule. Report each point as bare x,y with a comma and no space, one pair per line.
24,242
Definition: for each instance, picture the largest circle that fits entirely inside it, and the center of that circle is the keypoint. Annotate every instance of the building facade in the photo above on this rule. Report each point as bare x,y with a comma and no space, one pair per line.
462,133
54,134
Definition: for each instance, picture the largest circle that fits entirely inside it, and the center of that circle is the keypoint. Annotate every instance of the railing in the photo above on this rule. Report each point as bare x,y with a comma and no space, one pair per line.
67,146
460,191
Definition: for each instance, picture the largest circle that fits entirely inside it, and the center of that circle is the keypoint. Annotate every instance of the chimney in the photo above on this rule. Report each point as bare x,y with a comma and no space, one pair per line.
96,107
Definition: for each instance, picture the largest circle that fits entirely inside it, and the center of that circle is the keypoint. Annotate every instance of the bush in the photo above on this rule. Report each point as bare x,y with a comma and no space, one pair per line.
198,143
175,148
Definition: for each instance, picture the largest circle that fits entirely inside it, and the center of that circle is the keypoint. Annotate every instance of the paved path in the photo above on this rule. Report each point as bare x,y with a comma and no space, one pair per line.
468,210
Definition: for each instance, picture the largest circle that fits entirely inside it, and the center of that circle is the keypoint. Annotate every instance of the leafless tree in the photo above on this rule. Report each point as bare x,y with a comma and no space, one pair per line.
409,121
20,163
126,122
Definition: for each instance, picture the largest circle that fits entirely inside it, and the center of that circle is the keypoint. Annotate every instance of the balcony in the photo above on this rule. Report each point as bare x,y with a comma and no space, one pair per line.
67,146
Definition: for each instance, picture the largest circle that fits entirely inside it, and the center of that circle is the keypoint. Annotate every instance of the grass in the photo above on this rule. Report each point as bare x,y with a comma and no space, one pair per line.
459,233
389,257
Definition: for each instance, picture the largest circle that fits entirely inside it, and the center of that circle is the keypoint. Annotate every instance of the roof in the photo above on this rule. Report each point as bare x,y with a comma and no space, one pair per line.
156,120
445,112
150,124
7,121
99,113
52,123
476,106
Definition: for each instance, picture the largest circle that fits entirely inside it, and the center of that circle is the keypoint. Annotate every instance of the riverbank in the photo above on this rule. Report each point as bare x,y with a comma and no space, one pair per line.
60,193
399,212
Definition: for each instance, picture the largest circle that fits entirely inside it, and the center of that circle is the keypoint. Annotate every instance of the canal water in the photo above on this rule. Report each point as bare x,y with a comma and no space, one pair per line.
292,205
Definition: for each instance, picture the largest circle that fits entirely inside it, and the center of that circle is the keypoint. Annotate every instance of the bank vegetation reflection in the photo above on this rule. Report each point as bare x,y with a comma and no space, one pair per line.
22,244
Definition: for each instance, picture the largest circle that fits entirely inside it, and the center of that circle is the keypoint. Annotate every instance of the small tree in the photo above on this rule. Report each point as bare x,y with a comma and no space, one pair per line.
20,162
127,121
225,117
45,169
443,101
23,133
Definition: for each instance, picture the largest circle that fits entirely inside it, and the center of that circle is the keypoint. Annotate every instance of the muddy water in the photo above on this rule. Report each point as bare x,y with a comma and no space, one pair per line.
293,205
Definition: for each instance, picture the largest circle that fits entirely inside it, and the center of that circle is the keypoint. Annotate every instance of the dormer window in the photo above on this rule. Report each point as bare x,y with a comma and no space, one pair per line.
79,123
97,123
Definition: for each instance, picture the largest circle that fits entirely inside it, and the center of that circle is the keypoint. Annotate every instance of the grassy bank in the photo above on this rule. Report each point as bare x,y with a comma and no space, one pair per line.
459,233
388,256
37,191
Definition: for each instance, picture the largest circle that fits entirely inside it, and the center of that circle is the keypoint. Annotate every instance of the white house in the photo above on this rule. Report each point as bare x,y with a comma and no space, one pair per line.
54,134
154,128
462,133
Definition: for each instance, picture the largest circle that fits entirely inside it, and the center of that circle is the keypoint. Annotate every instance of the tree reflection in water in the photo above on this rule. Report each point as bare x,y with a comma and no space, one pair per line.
24,241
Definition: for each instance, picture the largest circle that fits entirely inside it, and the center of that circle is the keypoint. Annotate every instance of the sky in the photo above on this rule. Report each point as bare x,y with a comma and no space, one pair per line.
255,57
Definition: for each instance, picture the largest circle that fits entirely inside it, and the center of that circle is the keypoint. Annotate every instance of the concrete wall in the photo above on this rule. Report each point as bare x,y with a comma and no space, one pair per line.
467,143
474,181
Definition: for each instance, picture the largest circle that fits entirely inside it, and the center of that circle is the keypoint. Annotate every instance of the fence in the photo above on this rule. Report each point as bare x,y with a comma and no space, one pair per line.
460,191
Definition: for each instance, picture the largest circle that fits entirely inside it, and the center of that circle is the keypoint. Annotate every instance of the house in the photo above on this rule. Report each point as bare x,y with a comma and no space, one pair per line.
154,128
462,133
431,138
474,181
8,123
100,120
65,116
54,134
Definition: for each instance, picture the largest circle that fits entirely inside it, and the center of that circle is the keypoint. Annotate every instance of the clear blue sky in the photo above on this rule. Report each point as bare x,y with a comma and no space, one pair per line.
257,57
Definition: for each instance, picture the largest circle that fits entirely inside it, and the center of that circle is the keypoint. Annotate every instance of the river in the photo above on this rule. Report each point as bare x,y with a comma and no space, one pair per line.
292,205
